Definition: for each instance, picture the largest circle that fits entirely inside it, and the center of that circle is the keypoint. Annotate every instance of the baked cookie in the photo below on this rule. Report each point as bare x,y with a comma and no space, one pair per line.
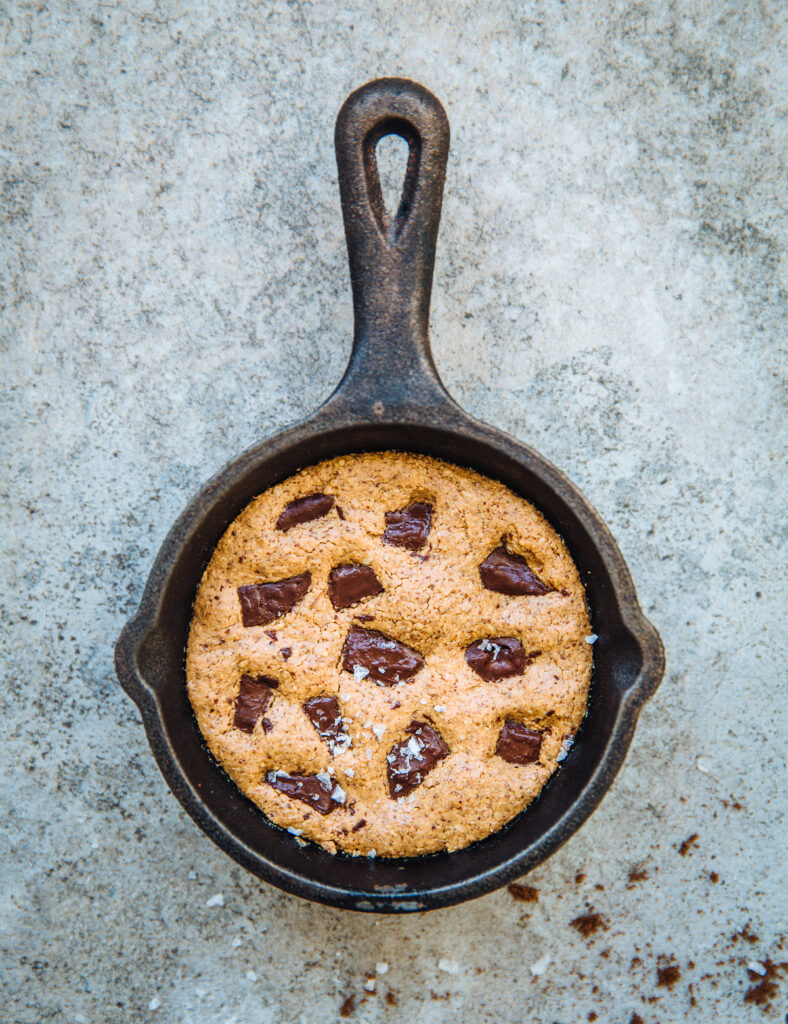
388,654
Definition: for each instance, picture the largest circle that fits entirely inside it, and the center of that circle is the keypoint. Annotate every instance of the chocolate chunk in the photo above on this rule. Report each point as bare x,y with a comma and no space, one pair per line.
261,603
409,527
359,824
267,725
384,660
304,510
349,584
497,657
518,744
323,713
252,700
314,790
286,652
411,760
340,513
507,573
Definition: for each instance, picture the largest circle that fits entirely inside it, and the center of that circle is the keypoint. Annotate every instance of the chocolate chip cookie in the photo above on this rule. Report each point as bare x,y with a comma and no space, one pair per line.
389,654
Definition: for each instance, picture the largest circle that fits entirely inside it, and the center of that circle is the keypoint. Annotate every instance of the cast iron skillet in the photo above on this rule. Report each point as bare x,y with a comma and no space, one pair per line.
390,397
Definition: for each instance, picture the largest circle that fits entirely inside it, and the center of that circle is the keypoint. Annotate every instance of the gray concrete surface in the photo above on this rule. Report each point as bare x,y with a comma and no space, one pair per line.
610,287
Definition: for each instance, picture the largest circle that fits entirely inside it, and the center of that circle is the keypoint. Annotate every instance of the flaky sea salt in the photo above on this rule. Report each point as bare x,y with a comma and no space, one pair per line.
372,853
379,730
566,746
294,831
215,901
414,747
440,708
382,968
369,984
449,966
349,772
704,764
756,968
592,639
154,1004
541,965
324,777
359,673
338,794
251,976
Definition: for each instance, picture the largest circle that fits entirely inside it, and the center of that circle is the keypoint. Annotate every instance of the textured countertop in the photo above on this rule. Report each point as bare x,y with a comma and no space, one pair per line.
610,287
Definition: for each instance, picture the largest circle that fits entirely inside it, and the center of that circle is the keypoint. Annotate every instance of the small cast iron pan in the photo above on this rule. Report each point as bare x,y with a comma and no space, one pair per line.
389,398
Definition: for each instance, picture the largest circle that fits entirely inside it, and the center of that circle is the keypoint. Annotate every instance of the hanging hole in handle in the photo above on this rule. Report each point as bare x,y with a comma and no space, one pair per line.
384,154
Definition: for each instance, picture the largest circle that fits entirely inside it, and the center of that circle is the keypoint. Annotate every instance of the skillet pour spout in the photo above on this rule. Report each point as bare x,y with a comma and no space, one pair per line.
390,397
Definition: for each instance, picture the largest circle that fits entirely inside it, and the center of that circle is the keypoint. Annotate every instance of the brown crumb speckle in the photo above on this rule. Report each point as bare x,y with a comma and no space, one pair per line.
524,893
765,988
391,999
592,1015
688,843
636,875
348,1006
636,1019
714,877
668,975
588,924
579,877
745,933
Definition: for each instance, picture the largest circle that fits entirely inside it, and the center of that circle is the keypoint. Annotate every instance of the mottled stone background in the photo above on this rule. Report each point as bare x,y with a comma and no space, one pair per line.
610,287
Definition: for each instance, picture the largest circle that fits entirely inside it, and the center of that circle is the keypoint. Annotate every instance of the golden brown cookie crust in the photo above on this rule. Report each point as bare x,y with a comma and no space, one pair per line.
433,600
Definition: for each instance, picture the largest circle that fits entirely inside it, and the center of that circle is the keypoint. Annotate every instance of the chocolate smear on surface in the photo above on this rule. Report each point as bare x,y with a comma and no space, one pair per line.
409,527
518,744
314,790
384,660
351,583
304,510
252,700
261,603
497,657
323,713
508,573
410,761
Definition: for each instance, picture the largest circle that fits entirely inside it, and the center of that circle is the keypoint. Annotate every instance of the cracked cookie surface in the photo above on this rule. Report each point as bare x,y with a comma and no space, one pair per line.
411,620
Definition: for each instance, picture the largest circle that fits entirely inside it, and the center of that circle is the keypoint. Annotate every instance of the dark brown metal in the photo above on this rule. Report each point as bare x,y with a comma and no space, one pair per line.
390,397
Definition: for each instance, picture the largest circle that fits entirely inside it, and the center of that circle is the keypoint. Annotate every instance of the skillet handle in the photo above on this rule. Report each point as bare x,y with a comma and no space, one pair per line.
391,258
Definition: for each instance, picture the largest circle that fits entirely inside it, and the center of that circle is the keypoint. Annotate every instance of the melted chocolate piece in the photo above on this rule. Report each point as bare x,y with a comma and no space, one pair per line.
349,584
286,652
359,824
518,744
309,788
386,661
323,713
304,510
411,760
252,700
497,657
261,603
409,527
507,573
267,725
